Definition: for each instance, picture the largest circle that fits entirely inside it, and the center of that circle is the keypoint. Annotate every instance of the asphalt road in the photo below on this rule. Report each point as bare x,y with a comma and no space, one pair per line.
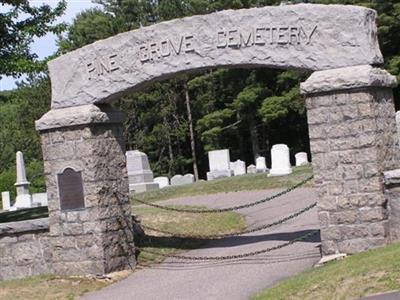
232,279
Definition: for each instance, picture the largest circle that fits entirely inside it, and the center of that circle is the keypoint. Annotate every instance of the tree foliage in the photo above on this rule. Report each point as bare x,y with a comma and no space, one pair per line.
20,23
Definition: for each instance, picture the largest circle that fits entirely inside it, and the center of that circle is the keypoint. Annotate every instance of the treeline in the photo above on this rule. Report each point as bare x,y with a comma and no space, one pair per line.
177,121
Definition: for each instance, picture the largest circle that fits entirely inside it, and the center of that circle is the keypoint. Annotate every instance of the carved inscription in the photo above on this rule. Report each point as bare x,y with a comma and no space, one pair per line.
234,38
70,188
102,65
261,36
166,48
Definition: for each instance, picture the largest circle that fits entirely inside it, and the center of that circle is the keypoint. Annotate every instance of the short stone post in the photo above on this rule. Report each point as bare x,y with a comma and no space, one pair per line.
392,190
353,140
84,161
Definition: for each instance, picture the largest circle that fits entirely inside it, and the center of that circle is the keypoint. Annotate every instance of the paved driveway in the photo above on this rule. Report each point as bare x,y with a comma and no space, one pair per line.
233,279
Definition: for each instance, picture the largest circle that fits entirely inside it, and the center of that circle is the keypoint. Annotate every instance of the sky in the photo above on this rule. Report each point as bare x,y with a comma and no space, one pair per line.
46,45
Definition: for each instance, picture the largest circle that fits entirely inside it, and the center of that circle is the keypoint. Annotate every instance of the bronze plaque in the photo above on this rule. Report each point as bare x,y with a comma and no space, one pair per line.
70,187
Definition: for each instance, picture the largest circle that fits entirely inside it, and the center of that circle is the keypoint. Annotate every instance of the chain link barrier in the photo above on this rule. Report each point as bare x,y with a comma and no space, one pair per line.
218,236
236,256
221,210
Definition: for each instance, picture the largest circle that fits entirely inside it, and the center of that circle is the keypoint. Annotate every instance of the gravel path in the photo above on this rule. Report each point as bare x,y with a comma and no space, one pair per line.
233,279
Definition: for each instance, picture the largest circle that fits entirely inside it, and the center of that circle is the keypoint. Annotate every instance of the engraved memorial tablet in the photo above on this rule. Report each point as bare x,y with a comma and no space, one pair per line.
71,189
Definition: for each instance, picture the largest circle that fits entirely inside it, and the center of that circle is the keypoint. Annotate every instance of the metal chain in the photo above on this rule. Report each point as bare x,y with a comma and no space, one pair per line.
217,236
237,256
221,210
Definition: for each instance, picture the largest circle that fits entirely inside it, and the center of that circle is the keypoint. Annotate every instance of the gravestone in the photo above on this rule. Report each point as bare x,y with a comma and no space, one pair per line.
182,180
22,184
251,169
301,159
162,181
139,174
22,201
219,164
6,200
238,167
39,199
261,165
280,160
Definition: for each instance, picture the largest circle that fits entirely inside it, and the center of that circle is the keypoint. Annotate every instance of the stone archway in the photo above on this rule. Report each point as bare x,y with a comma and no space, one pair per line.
350,114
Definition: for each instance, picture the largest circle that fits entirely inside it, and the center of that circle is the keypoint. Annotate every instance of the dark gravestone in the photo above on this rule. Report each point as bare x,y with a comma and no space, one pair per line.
71,189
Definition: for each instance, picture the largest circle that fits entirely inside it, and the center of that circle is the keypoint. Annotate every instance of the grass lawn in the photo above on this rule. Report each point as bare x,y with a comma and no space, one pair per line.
232,184
368,273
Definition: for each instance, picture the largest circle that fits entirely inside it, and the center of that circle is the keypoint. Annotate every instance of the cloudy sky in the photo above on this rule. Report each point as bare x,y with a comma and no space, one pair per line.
46,46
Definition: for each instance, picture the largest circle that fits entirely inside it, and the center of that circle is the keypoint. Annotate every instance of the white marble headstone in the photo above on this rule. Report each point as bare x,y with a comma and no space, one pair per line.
280,160
219,164
181,180
239,167
301,159
6,200
251,169
39,199
261,165
162,181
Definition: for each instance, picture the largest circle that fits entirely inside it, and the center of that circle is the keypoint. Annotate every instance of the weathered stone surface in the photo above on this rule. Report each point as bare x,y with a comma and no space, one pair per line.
304,36
24,226
347,78
73,116
25,249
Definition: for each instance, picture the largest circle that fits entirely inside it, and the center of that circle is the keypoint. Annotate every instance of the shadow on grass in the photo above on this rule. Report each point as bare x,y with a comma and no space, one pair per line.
191,243
24,214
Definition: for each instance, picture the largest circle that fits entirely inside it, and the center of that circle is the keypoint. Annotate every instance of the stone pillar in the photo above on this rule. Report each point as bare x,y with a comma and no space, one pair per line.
352,131
84,161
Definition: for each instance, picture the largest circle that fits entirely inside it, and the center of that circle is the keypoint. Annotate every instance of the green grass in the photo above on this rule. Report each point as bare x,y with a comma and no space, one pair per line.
48,287
182,223
231,184
368,273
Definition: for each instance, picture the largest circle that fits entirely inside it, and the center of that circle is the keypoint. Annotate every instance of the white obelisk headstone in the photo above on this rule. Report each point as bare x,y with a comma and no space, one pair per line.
22,184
